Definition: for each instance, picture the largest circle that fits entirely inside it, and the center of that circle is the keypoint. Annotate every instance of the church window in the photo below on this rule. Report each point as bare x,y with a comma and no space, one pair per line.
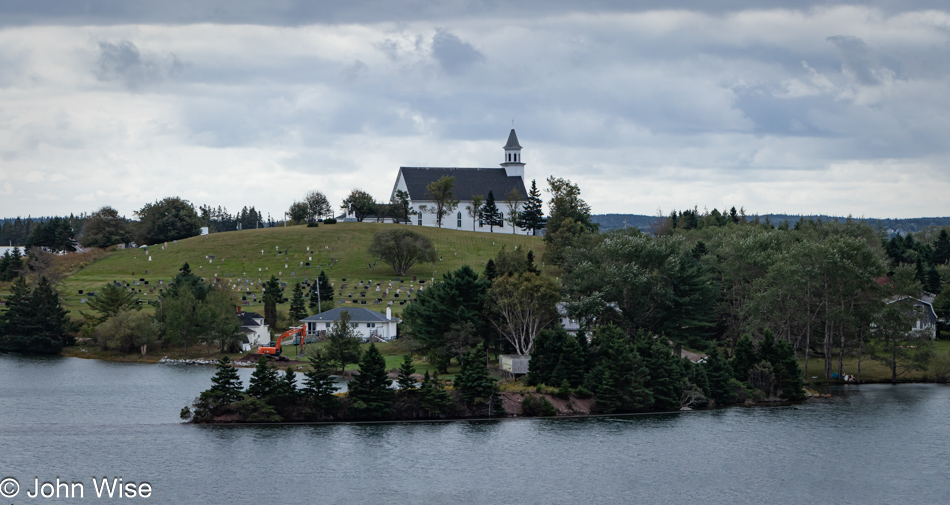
420,219
459,222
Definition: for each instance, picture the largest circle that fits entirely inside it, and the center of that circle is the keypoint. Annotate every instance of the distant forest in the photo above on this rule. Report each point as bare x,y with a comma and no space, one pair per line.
889,226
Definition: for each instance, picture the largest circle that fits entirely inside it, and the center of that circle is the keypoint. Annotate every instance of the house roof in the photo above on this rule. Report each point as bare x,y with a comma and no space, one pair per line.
357,315
468,182
248,318
512,141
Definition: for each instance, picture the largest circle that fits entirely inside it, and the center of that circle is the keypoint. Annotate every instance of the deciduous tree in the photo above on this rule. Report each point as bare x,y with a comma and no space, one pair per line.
360,204
104,228
401,248
442,193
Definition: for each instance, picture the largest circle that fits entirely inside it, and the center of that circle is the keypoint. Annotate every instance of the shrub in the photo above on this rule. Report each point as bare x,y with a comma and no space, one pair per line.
940,366
312,225
534,406
329,221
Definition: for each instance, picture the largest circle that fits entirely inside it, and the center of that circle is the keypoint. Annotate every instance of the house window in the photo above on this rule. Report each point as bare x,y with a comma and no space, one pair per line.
370,325
459,222
354,325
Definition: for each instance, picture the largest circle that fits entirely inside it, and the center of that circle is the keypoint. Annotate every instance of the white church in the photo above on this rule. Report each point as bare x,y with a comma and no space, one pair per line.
469,182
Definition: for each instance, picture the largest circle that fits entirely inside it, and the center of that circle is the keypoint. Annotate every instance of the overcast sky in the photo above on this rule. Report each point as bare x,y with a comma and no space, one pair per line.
779,107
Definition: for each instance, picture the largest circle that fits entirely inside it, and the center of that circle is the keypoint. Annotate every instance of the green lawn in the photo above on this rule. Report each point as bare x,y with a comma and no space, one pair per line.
338,249
871,370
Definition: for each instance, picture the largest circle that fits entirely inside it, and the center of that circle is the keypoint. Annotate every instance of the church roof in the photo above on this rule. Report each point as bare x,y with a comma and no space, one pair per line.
468,182
512,141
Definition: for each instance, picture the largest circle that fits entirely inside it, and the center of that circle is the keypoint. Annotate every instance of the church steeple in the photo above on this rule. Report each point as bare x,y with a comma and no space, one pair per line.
513,165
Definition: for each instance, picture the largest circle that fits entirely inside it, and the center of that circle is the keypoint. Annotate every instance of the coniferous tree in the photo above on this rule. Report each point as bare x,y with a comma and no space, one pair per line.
788,375
546,355
273,295
319,386
572,364
666,372
433,397
719,374
10,264
321,294
404,380
287,386
343,343
619,378
475,384
17,321
490,214
941,254
226,383
265,381
744,358
532,215
372,398
298,307
490,271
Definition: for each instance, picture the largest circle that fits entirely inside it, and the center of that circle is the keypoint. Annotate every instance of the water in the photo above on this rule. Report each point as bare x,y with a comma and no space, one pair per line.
75,419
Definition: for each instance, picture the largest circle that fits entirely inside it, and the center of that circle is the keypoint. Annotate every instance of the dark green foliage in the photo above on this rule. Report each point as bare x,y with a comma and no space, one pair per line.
744,358
255,410
298,307
457,300
185,279
343,343
619,377
359,203
490,270
933,283
433,398
10,264
169,219
226,381
532,215
941,254
401,248
369,391
788,375
265,382
546,355
535,406
109,301
696,374
321,292
490,213
572,365
55,235
666,372
104,228
319,387
475,384
719,374
287,387
404,380
35,322
273,296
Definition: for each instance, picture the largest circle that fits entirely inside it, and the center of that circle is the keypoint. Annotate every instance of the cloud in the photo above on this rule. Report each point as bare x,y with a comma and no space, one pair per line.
644,107
122,61
453,54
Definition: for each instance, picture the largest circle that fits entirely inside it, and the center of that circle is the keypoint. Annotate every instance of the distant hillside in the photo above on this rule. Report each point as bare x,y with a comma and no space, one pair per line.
243,259
890,226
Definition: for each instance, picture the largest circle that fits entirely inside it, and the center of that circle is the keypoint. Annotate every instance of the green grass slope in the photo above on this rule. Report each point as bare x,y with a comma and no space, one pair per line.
244,259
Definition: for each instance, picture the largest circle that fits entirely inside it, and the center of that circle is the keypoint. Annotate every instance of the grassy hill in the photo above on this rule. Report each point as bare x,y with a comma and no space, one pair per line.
244,259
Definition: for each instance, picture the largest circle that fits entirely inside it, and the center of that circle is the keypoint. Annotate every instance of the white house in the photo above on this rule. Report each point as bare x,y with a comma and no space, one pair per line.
469,182
370,325
925,317
252,324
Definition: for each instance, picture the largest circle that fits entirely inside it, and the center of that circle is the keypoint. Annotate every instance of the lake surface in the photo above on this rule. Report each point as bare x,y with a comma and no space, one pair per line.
76,419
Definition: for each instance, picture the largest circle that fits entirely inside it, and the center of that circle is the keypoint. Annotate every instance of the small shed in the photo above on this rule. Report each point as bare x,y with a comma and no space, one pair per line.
515,364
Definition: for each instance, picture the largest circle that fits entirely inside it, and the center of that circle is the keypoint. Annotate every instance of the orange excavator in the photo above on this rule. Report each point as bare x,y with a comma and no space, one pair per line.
274,348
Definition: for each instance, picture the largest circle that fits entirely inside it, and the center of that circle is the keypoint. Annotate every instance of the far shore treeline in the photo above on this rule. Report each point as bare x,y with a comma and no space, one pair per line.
761,306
